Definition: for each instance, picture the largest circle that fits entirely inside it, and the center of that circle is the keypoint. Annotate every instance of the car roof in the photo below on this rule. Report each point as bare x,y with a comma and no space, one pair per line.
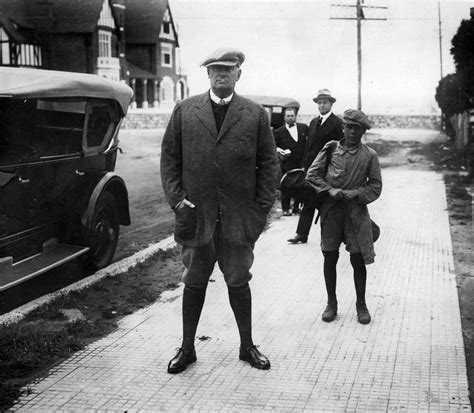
18,82
283,102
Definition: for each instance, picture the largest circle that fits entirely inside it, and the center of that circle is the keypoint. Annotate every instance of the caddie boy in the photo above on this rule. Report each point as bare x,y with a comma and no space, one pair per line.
351,178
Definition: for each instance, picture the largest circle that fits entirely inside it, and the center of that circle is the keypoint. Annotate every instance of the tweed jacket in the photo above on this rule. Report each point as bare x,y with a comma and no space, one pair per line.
284,140
230,175
318,136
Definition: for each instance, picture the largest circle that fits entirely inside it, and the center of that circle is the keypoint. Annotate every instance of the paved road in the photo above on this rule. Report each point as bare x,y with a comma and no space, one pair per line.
139,166
410,358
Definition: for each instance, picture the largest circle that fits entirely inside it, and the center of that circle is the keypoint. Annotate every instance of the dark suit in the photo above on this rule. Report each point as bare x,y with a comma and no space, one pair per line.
318,136
284,140
294,160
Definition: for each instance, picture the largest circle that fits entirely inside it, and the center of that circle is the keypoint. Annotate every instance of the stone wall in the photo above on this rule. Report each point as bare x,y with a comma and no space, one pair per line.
394,121
137,119
141,119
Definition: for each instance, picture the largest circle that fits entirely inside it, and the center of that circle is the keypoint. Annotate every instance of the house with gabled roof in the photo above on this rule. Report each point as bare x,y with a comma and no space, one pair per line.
78,36
134,41
152,50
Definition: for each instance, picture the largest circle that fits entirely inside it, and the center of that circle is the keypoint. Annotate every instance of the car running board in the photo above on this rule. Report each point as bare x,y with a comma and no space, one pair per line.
53,255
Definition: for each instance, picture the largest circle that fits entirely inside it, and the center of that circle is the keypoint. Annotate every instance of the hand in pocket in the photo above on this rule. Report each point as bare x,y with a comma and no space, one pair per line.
185,221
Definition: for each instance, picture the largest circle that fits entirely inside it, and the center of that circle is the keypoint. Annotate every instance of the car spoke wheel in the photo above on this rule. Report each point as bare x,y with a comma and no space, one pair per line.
104,232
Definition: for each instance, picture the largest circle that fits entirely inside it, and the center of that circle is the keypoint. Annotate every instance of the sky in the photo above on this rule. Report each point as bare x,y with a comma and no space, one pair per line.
294,48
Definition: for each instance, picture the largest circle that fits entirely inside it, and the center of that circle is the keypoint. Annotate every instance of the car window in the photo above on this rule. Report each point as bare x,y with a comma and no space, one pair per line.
277,117
101,121
35,129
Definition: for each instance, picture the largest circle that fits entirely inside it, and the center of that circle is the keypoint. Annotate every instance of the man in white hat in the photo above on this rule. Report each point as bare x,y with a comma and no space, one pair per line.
219,173
322,129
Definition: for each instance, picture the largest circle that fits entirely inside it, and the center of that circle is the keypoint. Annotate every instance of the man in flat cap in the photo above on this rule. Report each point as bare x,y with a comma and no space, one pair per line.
349,173
322,129
219,173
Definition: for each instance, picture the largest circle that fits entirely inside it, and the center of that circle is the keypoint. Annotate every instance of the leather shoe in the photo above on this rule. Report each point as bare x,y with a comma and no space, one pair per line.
330,311
254,357
298,238
181,361
363,315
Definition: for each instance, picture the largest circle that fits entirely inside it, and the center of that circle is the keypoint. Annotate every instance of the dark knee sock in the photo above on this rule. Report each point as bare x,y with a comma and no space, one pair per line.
241,302
330,274
360,275
193,301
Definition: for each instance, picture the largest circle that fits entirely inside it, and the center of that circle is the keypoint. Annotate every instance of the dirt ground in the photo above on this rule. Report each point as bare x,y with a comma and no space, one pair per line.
50,334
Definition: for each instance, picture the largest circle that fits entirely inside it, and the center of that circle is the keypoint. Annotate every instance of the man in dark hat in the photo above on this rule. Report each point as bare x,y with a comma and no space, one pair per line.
290,139
351,178
322,129
219,173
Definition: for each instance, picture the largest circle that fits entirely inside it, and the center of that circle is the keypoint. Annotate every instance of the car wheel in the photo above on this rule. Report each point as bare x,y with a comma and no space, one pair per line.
103,234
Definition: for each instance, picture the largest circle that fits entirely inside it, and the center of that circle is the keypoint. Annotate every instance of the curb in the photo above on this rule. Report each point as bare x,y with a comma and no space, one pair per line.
116,268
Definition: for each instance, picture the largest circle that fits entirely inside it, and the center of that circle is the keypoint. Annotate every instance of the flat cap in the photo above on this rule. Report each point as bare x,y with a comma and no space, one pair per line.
293,180
357,117
324,94
224,57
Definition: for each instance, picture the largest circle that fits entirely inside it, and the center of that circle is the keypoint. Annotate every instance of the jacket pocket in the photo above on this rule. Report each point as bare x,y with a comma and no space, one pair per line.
185,222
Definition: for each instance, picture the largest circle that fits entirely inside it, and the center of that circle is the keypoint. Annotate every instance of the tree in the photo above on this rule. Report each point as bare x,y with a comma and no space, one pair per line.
451,95
463,55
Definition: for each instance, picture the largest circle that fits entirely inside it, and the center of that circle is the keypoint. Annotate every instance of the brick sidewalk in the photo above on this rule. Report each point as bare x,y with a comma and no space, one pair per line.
410,358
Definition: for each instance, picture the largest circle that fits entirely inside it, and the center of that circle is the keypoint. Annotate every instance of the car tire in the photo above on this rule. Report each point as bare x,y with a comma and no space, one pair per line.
103,234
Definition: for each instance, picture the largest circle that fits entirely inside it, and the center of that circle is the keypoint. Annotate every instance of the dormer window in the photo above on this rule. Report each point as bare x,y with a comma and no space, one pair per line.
167,30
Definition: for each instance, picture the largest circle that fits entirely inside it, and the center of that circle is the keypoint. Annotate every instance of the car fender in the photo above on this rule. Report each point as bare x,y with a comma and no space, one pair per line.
116,186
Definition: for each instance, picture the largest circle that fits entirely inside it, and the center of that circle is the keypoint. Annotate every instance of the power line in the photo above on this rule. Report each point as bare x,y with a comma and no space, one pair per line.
360,15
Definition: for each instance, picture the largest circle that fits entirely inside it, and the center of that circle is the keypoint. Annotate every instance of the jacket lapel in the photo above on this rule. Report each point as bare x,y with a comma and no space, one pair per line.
300,132
205,114
287,132
232,116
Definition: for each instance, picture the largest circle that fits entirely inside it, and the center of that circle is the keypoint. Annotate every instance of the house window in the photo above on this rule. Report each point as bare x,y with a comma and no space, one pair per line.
105,44
166,30
19,54
5,46
166,52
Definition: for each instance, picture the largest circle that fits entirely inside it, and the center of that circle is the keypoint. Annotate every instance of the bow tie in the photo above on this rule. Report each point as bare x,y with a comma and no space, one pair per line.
290,126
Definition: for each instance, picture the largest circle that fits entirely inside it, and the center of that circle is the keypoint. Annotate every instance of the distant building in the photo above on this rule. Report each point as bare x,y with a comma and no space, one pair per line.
134,41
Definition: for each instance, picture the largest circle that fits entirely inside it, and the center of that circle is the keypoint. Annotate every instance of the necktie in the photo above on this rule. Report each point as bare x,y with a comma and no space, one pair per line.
222,102
320,121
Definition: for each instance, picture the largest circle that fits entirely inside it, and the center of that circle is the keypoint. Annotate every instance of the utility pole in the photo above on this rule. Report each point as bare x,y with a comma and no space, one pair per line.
359,17
440,42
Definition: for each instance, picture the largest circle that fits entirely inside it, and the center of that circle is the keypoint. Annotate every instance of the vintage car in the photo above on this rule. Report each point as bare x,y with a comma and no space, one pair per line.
59,195
274,105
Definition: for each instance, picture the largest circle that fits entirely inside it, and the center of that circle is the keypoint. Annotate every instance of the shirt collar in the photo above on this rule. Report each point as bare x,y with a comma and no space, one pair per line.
217,99
324,117
352,151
